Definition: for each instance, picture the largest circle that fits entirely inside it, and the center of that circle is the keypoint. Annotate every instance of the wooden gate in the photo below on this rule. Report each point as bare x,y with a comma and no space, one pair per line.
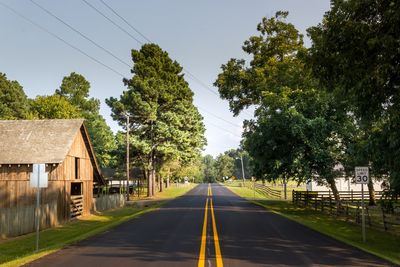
76,206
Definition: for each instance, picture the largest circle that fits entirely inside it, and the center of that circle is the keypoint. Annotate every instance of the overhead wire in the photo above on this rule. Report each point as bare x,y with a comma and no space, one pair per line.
190,75
218,117
80,33
60,39
223,129
105,50
127,22
111,21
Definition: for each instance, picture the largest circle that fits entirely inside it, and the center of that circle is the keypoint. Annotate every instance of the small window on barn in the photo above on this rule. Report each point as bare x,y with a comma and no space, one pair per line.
76,189
77,167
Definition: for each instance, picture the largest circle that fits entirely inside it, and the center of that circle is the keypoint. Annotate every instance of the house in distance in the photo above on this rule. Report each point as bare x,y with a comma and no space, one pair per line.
64,146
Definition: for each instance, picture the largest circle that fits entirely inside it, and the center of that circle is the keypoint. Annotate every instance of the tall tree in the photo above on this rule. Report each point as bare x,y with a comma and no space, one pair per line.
14,103
54,107
275,65
225,166
355,54
75,88
294,134
164,123
208,167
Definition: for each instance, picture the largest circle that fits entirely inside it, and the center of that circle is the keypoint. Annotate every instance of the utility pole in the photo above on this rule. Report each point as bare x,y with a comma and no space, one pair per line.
127,156
241,159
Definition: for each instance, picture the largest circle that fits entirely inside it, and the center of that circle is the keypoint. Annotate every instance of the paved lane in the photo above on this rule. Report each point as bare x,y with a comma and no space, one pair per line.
253,236
169,236
235,233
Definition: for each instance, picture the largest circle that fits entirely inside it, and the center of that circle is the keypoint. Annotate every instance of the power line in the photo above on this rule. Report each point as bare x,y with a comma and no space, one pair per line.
189,74
223,129
80,33
110,20
218,117
61,39
122,18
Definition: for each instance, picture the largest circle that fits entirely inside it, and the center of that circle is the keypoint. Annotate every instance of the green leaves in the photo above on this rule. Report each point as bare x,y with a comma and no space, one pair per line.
275,64
75,88
54,107
355,55
296,127
165,125
14,103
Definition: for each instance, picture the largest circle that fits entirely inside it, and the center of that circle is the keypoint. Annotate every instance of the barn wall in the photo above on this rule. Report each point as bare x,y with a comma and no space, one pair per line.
17,198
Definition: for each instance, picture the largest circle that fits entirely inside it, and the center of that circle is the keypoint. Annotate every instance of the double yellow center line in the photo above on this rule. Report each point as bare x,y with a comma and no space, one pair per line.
202,255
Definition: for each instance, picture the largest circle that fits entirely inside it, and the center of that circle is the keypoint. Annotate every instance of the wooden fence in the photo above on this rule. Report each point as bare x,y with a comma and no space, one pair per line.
21,220
18,221
349,207
106,202
264,190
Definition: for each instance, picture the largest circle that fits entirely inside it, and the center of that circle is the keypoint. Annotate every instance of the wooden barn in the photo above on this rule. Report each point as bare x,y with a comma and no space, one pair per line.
64,146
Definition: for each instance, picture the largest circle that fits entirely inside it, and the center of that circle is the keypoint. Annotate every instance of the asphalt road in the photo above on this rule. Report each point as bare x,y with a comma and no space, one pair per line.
235,233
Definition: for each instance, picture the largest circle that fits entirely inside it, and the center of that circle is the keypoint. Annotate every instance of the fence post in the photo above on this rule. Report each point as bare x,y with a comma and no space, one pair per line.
322,203
384,219
306,199
368,216
316,202
293,196
358,213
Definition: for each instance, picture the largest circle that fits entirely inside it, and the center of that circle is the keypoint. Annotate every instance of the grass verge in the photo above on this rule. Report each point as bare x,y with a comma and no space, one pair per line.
379,243
170,192
173,192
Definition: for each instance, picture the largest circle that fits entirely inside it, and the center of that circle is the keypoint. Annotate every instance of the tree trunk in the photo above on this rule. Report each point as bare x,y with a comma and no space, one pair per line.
167,183
161,184
285,187
332,184
149,183
153,182
371,192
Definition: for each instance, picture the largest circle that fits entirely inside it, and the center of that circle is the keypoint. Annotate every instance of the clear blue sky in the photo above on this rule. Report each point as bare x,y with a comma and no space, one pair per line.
200,35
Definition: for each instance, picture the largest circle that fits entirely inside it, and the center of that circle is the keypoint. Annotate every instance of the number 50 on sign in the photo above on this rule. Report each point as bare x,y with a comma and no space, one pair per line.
362,175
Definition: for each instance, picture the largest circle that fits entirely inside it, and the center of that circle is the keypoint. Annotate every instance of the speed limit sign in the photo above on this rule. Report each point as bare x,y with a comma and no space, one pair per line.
362,175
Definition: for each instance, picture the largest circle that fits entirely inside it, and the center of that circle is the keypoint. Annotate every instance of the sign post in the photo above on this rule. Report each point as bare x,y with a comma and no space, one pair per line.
38,180
362,177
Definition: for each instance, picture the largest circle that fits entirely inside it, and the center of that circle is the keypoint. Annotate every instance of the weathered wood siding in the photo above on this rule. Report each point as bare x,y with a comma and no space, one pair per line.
16,193
107,202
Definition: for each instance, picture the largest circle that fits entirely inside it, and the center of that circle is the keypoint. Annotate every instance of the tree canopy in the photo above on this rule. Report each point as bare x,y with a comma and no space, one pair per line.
297,130
54,107
14,103
164,123
355,54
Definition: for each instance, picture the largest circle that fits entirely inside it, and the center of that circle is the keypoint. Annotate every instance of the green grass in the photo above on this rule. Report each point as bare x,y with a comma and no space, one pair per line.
380,243
173,192
170,192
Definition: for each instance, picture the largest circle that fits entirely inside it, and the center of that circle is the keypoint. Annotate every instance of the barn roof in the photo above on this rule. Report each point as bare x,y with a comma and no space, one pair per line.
36,141
41,141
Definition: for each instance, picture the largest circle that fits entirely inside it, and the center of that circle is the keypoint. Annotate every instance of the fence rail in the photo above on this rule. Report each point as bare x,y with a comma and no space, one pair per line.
349,207
264,190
